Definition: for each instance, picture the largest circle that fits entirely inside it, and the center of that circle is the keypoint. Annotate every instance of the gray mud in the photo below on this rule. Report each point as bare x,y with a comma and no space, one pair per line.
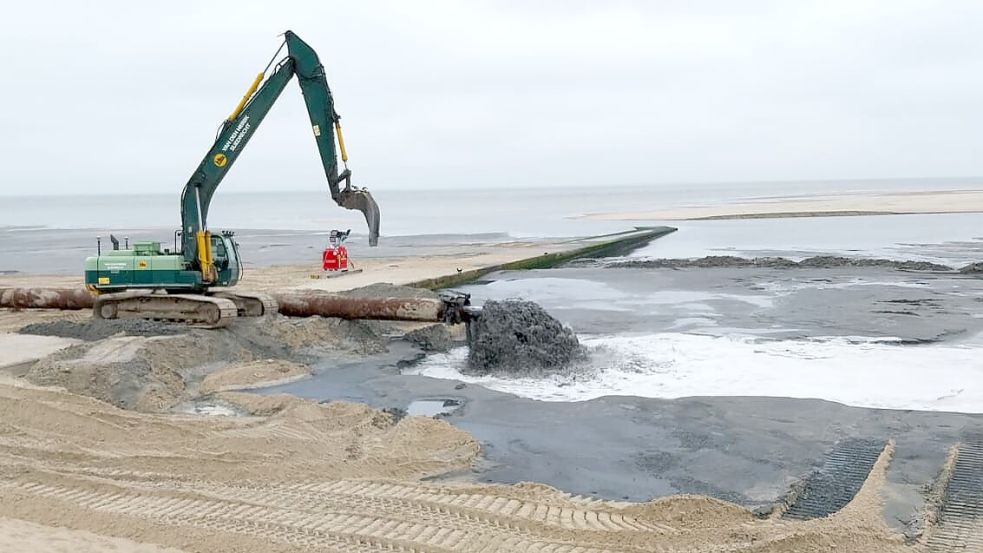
520,338
816,262
99,329
432,338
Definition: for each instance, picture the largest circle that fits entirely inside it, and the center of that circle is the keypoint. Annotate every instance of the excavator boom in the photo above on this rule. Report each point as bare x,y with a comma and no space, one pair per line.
239,127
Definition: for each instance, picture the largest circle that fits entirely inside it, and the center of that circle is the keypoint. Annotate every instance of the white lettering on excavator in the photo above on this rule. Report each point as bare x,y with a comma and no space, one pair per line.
237,136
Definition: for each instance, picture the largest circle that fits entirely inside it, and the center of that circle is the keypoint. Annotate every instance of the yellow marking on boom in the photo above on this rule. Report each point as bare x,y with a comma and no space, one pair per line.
341,142
246,97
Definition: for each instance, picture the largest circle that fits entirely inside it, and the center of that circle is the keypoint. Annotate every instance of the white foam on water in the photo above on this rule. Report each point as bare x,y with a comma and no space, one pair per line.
858,371
576,293
783,288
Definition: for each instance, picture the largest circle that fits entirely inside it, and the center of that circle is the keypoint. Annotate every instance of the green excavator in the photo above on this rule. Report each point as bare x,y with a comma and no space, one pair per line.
144,281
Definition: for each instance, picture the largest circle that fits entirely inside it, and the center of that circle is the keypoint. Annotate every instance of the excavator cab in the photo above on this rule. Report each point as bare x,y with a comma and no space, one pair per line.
225,255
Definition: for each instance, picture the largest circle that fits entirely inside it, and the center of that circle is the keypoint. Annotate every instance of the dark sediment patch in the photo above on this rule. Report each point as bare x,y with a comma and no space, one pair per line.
816,262
100,329
434,337
520,338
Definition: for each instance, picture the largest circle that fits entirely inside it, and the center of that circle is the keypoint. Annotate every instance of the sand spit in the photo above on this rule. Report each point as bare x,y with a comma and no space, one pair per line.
872,203
302,476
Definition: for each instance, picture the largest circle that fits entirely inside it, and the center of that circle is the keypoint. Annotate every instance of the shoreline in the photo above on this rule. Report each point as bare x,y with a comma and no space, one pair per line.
930,202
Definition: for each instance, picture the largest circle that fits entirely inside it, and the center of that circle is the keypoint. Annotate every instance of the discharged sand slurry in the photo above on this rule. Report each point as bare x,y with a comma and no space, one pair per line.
301,476
520,338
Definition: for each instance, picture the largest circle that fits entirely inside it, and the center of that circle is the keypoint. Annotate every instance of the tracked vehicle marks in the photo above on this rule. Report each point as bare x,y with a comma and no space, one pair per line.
354,515
960,523
837,481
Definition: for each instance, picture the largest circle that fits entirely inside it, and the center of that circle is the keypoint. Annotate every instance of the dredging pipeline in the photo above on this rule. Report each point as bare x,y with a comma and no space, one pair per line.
45,298
311,303
450,308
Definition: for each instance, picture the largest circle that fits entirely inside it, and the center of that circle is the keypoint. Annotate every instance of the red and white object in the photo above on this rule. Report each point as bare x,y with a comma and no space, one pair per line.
335,256
335,259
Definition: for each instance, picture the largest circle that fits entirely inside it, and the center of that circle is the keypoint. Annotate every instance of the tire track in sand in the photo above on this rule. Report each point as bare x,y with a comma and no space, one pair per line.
960,522
352,515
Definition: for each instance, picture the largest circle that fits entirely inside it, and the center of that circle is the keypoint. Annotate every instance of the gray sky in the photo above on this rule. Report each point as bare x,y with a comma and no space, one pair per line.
126,97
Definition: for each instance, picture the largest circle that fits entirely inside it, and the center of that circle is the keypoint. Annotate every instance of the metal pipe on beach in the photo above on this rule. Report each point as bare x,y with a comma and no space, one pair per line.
308,304
450,308
45,298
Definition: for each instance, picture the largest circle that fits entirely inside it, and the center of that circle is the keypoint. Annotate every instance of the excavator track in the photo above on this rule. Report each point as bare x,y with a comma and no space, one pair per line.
250,304
960,523
199,310
837,481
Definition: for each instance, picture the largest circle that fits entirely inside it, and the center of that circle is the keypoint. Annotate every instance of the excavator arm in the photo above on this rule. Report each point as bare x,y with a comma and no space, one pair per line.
240,126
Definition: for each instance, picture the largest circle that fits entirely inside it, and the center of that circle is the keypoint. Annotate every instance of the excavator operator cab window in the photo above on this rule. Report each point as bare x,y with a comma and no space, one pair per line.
219,252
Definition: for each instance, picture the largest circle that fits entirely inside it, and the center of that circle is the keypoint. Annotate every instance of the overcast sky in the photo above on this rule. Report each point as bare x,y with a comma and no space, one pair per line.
126,97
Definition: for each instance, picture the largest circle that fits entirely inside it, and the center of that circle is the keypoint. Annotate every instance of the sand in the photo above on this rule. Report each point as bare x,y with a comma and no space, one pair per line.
396,270
21,536
255,374
16,349
879,203
301,476
156,373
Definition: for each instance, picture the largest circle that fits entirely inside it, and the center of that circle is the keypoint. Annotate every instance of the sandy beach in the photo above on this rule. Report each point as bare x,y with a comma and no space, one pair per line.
879,203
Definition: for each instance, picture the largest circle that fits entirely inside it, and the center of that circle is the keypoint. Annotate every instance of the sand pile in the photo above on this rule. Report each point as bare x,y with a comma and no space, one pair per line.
253,374
154,373
386,290
519,337
135,372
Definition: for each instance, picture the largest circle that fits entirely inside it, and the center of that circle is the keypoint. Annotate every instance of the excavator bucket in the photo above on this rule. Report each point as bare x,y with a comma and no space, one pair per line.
360,200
